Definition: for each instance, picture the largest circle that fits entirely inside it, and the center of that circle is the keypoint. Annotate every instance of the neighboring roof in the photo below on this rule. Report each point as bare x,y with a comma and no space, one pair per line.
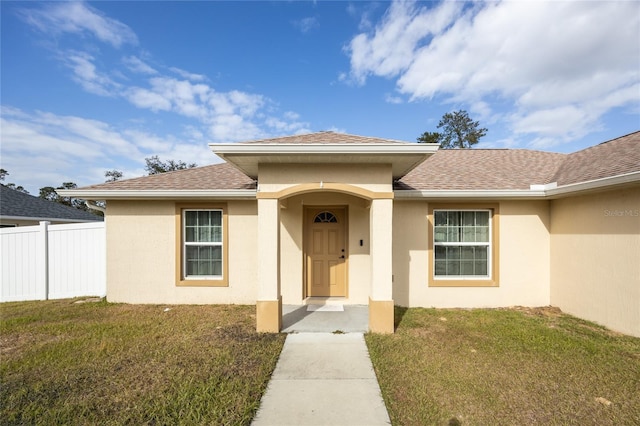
221,176
612,158
16,205
479,169
326,137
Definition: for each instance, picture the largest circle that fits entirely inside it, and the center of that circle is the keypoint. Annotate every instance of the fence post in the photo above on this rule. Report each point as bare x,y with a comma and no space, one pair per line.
43,258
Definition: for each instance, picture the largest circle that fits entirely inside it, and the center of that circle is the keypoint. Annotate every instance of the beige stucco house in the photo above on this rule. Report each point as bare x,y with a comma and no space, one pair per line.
361,220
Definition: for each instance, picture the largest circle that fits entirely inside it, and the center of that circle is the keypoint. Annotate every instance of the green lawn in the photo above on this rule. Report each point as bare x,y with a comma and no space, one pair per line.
506,367
99,363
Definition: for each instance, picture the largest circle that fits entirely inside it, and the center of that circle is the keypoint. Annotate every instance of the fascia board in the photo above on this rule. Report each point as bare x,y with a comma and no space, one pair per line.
593,185
284,149
565,190
159,194
468,194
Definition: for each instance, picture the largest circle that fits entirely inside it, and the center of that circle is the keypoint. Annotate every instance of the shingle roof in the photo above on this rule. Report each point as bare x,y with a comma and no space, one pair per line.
468,169
612,158
326,137
216,176
18,204
472,169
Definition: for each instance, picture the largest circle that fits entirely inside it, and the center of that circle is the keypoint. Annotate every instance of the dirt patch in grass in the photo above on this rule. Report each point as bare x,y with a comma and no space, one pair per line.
98,363
506,366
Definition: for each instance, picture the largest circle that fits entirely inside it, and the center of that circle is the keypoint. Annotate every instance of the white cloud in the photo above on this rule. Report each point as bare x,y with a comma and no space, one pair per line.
148,141
391,99
143,98
391,47
212,115
44,149
137,65
233,127
553,63
188,75
78,18
306,24
283,127
558,121
86,74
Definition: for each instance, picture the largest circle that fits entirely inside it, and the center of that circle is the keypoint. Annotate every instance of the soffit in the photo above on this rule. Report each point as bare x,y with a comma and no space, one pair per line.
402,157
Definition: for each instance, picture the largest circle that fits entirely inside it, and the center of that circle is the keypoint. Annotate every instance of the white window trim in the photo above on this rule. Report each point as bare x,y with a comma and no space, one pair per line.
488,244
186,244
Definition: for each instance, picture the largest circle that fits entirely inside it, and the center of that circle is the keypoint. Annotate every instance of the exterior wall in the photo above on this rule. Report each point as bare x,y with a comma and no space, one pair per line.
141,255
524,259
374,177
595,265
371,177
292,248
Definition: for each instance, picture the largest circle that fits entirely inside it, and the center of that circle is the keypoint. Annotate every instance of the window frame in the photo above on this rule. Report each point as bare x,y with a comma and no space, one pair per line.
492,278
206,281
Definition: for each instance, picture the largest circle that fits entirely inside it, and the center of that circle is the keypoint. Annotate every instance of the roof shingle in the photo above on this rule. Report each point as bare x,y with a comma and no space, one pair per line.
475,169
18,204
215,176
467,169
612,158
326,137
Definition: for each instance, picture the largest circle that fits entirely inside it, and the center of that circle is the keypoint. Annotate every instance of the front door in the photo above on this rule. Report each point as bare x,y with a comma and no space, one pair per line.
326,251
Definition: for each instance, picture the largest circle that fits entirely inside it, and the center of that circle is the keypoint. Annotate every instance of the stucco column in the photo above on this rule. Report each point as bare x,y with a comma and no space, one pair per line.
269,303
381,239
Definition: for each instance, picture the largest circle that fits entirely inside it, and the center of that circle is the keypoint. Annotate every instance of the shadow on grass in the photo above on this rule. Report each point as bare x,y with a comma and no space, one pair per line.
398,314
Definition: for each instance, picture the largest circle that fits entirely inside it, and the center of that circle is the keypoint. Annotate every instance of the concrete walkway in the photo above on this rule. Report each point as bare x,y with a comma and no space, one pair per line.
323,379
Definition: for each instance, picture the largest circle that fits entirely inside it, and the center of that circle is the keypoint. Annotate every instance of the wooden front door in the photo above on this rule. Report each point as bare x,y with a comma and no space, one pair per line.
326,251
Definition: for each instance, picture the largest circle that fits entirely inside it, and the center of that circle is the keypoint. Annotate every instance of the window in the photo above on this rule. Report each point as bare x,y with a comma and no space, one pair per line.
325,217
202,253
462,249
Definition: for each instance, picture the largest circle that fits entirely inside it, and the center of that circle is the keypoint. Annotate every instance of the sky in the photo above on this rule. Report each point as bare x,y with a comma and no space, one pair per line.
93,86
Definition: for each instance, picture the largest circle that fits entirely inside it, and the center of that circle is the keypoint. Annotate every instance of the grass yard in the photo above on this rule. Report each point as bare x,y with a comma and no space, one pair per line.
506,367
98,363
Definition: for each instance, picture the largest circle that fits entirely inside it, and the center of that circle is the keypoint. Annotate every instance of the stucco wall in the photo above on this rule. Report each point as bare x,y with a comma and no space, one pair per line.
374,177
524,259
141,250
595,266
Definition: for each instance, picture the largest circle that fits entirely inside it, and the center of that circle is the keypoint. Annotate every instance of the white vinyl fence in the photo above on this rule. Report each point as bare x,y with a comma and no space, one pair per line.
53,261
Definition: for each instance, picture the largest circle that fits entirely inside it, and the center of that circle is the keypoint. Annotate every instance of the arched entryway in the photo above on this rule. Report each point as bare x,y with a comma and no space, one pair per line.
312,220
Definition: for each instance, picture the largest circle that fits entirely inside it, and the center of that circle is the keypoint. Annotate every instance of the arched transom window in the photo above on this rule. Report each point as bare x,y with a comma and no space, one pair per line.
325,217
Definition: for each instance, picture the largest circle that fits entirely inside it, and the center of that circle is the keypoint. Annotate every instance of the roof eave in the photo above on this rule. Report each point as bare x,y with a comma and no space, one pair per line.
160,194
595,185
550,192
246,157
50,219
507,194
324,148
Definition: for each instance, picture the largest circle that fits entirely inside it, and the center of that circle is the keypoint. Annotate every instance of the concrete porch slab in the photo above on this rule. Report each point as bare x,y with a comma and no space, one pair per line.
296,319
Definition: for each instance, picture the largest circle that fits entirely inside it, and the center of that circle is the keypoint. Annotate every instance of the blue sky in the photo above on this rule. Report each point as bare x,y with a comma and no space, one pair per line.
94,86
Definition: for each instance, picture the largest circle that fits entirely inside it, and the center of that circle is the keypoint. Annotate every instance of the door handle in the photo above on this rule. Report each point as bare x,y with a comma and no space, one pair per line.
341,257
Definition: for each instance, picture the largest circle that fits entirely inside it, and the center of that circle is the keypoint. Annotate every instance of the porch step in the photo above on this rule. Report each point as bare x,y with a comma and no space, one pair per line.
325,301
325,308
